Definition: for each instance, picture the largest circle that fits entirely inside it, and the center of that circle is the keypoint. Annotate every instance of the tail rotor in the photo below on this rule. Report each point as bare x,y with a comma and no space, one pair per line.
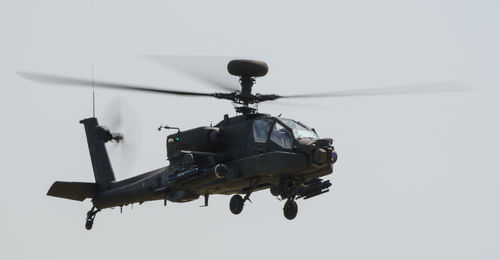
124,123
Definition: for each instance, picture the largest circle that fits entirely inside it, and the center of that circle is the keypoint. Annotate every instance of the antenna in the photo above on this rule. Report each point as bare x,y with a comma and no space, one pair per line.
93,92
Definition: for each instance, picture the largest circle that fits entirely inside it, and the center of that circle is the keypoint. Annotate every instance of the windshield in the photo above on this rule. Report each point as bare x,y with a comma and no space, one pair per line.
299,130
281,136
261,128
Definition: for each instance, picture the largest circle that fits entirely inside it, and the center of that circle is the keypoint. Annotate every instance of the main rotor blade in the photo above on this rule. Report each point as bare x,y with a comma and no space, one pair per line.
291,104
210,69
62,80
436,87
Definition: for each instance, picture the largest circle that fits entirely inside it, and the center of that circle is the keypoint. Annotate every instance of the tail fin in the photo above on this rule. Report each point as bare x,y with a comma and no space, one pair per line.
97,136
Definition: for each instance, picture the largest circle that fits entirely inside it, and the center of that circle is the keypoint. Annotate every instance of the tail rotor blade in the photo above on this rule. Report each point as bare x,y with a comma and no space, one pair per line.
122,118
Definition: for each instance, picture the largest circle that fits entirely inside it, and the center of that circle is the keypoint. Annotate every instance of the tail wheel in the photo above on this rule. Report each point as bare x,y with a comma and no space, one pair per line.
290,209
90,218
89,223
236,204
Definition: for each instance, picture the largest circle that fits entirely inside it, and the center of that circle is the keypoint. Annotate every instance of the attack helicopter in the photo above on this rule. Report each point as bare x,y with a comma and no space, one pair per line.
249,152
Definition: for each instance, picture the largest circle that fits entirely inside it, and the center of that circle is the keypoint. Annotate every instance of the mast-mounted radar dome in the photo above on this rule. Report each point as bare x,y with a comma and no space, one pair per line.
247,68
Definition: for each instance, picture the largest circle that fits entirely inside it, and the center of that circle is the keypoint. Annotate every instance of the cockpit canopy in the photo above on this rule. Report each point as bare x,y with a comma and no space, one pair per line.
281,131
300,130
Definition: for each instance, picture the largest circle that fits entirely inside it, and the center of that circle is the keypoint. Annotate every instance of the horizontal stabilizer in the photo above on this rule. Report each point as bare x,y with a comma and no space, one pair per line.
73,190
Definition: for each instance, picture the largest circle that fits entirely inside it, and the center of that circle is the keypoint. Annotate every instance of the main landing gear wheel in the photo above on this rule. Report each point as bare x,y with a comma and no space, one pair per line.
290,209
236,204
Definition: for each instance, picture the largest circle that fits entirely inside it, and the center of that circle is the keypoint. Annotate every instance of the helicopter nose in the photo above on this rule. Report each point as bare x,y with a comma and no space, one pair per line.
324,155
320,155
334,157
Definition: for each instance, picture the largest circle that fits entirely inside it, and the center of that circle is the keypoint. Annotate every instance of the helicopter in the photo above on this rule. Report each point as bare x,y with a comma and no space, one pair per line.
239,155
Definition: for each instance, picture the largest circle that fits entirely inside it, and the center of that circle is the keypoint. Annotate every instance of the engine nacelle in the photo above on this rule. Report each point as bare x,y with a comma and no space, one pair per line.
201,139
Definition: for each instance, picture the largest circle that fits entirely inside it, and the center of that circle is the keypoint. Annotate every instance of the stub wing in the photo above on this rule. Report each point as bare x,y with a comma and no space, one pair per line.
73,190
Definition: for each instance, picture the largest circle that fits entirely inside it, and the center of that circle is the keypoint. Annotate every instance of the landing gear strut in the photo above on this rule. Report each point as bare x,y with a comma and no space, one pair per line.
90,218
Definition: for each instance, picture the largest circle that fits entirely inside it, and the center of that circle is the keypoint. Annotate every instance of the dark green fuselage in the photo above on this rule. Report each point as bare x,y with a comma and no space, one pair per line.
224,159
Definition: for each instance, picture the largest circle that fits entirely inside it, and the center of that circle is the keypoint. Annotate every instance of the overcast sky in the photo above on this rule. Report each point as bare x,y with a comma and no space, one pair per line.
417,175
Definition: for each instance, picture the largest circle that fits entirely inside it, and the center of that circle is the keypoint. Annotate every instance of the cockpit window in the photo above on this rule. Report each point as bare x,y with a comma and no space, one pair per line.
281,136
299,130
261,128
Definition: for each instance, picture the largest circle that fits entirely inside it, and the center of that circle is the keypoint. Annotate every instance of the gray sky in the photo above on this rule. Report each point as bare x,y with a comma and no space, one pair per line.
417,176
